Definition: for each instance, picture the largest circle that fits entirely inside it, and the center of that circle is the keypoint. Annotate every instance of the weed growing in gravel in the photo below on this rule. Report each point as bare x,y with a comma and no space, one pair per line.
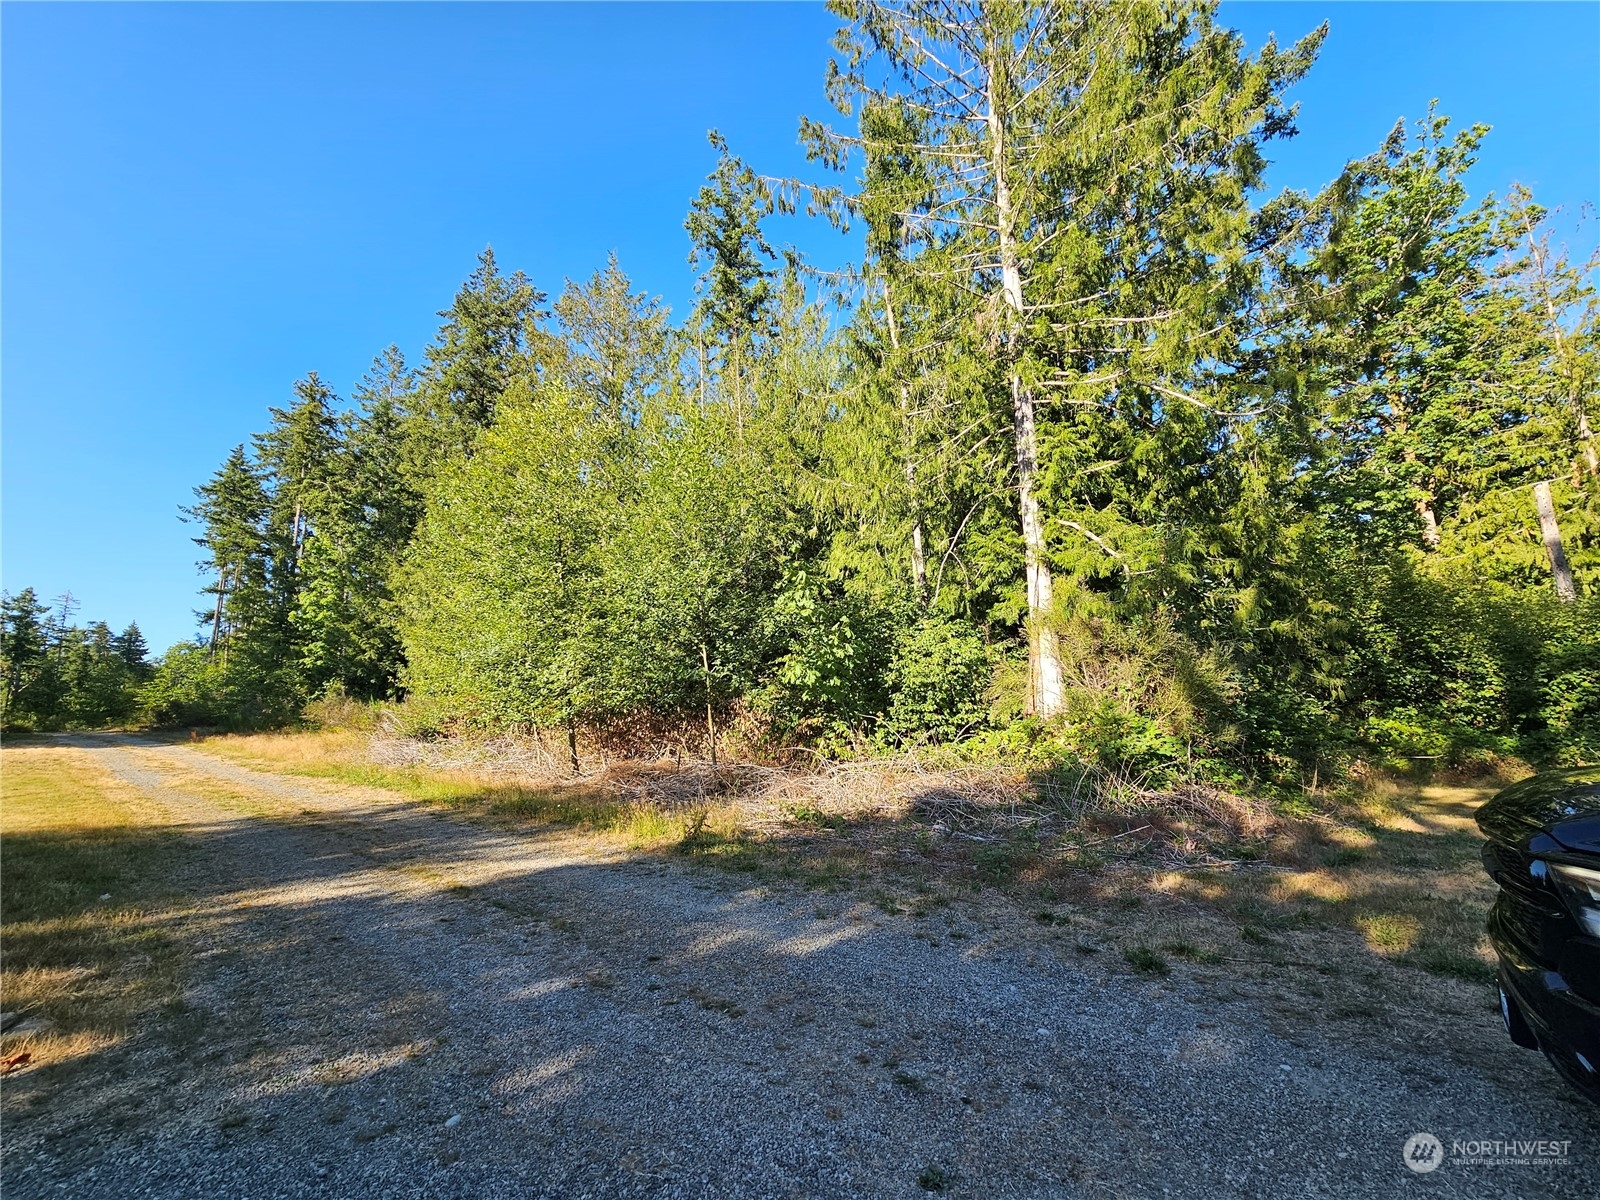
933,1178
1146,961
1184,948
715,1003
886,902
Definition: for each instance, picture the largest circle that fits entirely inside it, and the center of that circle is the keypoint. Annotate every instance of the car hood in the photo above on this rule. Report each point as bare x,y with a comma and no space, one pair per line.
1562,805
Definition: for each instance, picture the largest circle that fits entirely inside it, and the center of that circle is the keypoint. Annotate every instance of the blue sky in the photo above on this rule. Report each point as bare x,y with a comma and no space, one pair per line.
202,202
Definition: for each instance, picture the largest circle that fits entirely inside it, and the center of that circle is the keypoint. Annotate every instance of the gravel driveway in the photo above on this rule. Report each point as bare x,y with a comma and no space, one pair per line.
388,1001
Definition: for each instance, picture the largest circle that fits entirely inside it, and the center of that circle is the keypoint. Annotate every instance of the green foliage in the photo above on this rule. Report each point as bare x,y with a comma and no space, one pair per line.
488,341
1254,477
54,674
940,674
831,681
188,687
730,251
500,590
1566,725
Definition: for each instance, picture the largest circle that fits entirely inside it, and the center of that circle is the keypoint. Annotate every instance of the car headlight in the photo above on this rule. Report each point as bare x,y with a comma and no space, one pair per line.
1580,888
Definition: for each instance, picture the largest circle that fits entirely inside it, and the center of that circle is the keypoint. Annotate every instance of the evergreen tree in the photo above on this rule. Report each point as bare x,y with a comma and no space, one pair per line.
232,510
24,658
130,647
54,673
731,254
489,339
1405,330
1080,174
298,454
618,342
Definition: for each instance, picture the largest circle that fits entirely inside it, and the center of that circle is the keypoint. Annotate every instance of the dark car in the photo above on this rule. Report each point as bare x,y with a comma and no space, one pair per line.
1544,852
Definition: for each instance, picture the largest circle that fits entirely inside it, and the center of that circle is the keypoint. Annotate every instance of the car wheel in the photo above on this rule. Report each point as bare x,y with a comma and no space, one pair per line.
1516,1024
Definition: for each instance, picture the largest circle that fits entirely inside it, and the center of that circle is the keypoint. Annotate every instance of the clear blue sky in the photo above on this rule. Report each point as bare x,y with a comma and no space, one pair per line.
201,203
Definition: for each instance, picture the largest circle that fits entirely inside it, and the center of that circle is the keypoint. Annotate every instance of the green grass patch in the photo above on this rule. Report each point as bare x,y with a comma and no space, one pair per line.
1146,960
1194,952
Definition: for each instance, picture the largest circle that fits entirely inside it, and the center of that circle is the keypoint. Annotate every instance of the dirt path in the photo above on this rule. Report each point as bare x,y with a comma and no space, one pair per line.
391,1002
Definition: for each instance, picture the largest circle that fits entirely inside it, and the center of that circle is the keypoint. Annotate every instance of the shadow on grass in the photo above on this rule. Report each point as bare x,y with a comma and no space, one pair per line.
1398,881
1397,866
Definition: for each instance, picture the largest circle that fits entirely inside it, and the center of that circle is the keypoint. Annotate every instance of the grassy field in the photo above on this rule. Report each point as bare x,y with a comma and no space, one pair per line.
86,897
1386,872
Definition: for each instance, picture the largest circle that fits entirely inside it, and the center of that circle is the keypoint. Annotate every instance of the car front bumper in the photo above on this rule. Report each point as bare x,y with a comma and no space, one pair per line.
1566,1025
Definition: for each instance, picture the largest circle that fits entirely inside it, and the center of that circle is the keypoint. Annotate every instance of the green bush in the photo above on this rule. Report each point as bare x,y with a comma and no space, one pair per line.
831,680
937,681
191,685
188,687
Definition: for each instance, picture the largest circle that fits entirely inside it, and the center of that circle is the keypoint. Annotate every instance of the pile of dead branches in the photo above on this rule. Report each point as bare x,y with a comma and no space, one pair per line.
1059,812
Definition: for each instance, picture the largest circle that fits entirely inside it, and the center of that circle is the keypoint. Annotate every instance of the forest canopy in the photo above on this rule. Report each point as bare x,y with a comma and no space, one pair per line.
1101,452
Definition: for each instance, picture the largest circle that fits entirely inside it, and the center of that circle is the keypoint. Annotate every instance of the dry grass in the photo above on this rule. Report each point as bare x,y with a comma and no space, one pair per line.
1386,872
600,803
83,883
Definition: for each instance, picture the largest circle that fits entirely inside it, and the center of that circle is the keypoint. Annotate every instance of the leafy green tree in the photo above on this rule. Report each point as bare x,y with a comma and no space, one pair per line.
1256,482
503,611
188,686
694,568
618,342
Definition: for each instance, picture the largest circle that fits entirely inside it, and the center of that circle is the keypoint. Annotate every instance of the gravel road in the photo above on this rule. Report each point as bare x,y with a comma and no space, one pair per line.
386,1001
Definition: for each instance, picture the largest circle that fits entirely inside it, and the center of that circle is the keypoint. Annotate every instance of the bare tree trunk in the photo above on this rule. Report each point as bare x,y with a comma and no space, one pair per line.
919,560
1044,653
572,744
1560,570
1586,440
711,717
1430,524
216,615
1424,503
1575,396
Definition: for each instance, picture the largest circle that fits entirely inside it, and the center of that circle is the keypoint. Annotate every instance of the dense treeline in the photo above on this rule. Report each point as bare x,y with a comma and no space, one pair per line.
55,674
1099,452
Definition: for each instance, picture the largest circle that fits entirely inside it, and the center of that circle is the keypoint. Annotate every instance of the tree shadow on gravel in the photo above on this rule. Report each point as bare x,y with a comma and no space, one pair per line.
359,973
